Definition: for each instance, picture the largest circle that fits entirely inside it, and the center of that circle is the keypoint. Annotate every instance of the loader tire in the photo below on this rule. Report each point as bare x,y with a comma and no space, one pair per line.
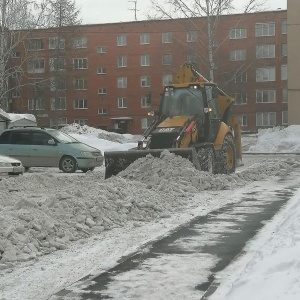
207,160
227,156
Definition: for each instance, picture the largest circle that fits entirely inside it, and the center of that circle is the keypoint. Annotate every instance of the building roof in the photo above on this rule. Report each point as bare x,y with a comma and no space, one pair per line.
4,115
16,117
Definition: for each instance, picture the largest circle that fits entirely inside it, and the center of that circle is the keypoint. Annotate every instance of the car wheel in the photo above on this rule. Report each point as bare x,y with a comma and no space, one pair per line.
87,169
68,164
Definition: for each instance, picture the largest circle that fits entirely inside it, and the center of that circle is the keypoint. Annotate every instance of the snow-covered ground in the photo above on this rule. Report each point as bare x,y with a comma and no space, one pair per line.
56,228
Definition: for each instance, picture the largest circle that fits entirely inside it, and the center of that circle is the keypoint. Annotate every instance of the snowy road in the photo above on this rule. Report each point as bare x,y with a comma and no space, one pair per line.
59,211
183,265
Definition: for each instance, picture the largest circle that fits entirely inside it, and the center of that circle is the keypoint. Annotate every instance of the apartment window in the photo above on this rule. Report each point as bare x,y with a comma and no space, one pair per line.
283,49
80,42
265,74
265,51
144,38
80,84
265,29
122,82
238,33
145,122
81,122
285,117
145,60
191,57
122,61
266,119
35,44
167,79
102,111
101,70
15,54
57,42
238,54
122,102
58,122
167,59
36,104
284,95
265,96
102,91
284,74
240,77
145,102
16,72
191,36
57,64
284,27
121,40
15,94
101,49
166,37
80,104
145,81
240,98
243,120
36,65
58,103
37,85
80,63
57,84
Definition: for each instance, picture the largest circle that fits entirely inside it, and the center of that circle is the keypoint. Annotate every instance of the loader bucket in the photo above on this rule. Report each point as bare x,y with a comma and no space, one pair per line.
117,161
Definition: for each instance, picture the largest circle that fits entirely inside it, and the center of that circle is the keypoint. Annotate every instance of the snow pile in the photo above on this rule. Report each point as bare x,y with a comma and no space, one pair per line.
40,214
99,133
277,139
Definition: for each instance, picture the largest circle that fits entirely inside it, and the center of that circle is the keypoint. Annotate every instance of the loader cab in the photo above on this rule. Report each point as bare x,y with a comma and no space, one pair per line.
182,101
194,100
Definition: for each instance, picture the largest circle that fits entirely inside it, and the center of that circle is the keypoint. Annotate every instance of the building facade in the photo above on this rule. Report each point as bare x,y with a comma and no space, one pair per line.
293,16
110,76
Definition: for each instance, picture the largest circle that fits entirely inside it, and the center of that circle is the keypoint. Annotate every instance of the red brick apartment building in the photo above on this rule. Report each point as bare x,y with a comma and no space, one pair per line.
100,74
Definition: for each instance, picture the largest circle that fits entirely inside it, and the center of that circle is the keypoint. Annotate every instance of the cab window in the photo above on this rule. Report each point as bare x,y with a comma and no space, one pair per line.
212,101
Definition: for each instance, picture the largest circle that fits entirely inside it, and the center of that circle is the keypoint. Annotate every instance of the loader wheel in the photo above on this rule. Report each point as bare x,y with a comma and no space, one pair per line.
207,160
227,156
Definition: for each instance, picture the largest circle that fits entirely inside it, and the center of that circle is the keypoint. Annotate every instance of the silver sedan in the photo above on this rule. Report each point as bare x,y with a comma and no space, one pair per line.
10,166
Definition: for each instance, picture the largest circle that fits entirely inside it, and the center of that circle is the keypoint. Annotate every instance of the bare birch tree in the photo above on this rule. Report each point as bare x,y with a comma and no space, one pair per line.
16,15
210,9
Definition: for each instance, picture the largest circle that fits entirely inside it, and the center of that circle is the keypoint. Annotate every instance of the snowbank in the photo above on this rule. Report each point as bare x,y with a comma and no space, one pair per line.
45,213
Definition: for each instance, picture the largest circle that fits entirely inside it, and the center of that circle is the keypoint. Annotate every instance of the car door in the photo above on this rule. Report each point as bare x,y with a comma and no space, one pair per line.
19,146
43,154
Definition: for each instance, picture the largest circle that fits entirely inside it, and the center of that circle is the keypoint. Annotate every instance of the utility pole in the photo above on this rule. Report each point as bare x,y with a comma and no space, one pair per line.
134,9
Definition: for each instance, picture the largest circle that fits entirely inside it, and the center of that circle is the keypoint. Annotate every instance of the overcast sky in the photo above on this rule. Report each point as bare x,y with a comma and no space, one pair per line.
111,11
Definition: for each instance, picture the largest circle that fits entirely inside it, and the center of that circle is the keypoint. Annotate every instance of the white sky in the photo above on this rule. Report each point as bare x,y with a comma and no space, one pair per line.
111,11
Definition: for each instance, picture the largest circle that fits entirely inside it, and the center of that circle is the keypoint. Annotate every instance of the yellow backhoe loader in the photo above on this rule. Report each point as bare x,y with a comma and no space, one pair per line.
194,121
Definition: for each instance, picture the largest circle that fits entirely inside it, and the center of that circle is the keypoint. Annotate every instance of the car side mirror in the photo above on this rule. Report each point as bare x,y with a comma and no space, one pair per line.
51,142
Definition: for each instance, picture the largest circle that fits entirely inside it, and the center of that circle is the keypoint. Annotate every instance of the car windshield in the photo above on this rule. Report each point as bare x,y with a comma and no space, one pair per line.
182,101
63,137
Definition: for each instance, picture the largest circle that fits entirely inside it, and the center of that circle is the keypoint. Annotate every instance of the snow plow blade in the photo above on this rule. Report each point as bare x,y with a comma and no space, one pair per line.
117,161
